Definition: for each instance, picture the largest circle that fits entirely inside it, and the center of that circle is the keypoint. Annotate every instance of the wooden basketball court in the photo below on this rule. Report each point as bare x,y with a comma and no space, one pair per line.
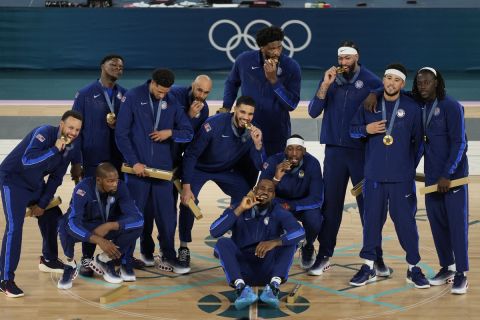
204,294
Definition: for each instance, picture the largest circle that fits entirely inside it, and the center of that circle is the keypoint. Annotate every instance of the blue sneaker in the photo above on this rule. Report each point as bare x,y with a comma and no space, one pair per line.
460,284
69,274
107,269
442,277
245,298
417,278
364,275
270,295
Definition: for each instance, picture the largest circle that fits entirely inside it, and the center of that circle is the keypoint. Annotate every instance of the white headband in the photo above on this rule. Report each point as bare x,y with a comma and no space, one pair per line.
429,69
397,73
347,50
296,141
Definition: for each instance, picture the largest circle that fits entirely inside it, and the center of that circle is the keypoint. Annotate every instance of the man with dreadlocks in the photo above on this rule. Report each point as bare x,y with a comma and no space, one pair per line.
445,144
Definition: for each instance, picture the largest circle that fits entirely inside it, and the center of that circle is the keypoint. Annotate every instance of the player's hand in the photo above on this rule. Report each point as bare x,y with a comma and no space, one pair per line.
159,136
256,135
187,194
195,109
282,168
443,185
265,246
37,211
330,75
370,102
248,201
109,248
270,69
139,169
60,144
376,127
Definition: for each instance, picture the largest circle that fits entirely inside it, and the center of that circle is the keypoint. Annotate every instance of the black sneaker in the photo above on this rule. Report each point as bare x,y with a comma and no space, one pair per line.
138,264
460,284
184,257
10,289
321,265
307,260
55,266
85,269
172,265
442,277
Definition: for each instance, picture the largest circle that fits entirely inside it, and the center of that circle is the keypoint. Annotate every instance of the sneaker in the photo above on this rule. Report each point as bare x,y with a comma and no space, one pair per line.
148,260
107,269
85,269
363,276
460,283
245,297
417,278
126,273
381,269
138,264
321,265
270,295
10,289
69,274
55,266
442,277
306,252
184,256
171,265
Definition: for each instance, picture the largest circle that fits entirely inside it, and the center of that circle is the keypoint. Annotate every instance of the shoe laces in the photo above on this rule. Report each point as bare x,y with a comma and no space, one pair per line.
86,262
184,254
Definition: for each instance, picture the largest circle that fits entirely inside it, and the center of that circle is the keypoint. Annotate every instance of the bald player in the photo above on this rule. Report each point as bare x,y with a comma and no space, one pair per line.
194,101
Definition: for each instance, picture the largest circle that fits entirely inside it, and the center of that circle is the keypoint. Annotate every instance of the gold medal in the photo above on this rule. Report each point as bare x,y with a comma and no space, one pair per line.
111,118
66,139
387,140
341,69
247,125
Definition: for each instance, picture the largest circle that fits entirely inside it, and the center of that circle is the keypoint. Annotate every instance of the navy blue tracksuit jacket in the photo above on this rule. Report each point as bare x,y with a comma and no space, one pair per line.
136,120
344,156
216,154
90,209
302,189
22,176
97,139
237,254
446,156
273,101
389,176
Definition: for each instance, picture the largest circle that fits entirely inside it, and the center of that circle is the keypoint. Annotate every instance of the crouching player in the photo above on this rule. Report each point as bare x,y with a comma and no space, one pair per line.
101,212
262,246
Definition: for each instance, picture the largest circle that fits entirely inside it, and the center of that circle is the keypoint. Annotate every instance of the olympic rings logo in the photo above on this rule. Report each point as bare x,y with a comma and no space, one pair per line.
249,40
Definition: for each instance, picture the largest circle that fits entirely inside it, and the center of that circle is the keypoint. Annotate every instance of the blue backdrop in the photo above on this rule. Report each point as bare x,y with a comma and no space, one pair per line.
51,38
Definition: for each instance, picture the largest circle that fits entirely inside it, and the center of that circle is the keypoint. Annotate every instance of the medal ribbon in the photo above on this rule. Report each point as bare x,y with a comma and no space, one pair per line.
392,118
